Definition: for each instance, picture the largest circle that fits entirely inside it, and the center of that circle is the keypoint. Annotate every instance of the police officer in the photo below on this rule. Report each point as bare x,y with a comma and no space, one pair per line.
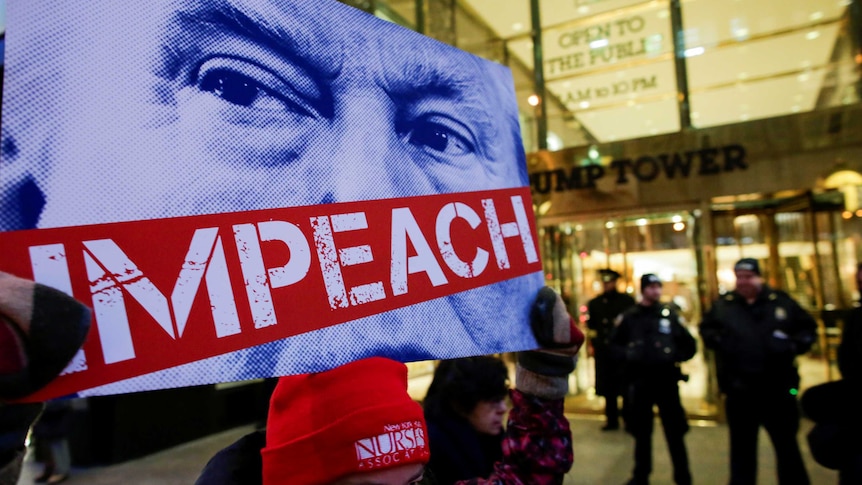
652,341
757,332
604,311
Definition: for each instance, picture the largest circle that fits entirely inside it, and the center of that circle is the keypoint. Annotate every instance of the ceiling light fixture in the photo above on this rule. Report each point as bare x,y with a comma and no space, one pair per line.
694,51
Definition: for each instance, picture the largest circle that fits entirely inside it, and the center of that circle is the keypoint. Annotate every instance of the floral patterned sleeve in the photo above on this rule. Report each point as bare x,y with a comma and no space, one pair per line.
537,449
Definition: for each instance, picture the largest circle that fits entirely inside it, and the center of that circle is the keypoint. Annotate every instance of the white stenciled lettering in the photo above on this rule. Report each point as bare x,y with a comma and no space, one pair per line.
51,268
258,280
112,274
447,214
521,227
404,228
333,259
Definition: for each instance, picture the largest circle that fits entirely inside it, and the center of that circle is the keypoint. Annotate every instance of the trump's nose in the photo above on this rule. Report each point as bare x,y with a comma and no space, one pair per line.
365,158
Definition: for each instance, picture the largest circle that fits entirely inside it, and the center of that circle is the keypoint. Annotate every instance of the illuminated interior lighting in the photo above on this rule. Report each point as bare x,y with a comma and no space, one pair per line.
679,226
641,222
533,100
859,213
584,104
812,35
579,227
846,214
609,224
694,51
593,153
596,44
676,218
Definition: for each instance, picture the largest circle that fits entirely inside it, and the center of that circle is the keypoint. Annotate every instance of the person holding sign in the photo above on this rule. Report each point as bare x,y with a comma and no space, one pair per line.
356,424
41,329
167,110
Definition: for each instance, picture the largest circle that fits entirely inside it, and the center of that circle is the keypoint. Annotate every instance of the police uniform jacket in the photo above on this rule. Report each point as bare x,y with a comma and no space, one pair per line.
652,341
603,312
756,344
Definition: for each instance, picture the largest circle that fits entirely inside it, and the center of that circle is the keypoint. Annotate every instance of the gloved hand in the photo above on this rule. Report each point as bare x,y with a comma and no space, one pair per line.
544,372
41,329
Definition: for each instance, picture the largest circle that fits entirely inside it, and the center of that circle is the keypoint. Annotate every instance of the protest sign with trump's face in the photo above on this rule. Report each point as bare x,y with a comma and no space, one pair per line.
247,188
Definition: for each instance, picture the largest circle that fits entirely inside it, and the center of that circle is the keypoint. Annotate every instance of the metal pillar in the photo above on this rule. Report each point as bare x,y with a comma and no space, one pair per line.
539,75
679,60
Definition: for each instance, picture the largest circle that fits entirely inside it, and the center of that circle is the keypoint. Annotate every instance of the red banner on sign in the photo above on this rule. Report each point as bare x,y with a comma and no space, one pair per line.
172,291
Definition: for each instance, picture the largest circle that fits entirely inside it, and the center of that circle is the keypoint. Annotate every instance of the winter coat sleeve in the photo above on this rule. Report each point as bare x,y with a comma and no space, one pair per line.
711,328
850,350
686,345
537,449
804,328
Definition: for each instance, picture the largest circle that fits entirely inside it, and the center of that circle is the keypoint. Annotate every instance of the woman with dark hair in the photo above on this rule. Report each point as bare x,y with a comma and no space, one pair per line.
465,409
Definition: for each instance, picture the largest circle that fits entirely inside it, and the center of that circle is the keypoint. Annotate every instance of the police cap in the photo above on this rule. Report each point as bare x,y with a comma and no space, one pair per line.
608,274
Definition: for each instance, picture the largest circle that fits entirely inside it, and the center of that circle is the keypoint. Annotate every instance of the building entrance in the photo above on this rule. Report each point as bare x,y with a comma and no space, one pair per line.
659,243
806,244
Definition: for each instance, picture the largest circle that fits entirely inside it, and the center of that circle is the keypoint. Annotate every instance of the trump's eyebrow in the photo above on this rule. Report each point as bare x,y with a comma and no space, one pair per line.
434,75
290,33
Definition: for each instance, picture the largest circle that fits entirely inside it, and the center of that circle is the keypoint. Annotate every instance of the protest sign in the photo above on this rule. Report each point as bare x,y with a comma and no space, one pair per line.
249,189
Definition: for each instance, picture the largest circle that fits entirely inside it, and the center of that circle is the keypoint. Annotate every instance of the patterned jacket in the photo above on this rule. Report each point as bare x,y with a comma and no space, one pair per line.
537,449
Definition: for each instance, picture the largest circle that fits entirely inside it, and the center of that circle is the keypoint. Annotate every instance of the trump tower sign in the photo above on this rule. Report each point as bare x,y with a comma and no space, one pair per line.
252,189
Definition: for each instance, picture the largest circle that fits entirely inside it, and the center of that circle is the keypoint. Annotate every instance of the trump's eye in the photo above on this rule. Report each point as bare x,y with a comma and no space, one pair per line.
248,85
438,134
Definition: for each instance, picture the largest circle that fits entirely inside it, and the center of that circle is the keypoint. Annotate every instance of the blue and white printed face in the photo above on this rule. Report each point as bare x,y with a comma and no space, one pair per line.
155,109
121,111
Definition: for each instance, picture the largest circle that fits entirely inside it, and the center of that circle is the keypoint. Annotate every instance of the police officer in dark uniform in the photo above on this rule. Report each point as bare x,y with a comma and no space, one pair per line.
604,311
653,342
757,332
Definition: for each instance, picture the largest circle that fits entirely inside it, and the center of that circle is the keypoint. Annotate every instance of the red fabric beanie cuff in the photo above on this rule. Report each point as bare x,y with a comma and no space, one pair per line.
354,418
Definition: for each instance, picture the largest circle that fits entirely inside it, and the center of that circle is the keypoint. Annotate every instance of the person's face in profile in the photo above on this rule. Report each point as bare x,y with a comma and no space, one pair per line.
216,106
487,416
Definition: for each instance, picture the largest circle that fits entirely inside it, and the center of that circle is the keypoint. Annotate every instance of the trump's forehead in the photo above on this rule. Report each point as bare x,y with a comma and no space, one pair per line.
334,40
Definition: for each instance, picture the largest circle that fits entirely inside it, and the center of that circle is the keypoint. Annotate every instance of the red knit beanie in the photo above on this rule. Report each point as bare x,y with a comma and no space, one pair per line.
354,418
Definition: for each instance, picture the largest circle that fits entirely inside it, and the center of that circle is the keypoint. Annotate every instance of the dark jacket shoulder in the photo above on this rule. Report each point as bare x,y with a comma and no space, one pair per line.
239,463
